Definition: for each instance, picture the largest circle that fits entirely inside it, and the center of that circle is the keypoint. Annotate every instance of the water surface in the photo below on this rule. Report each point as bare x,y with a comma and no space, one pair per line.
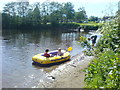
18,47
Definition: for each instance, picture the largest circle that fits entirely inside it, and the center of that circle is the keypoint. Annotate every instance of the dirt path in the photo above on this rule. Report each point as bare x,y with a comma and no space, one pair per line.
69,75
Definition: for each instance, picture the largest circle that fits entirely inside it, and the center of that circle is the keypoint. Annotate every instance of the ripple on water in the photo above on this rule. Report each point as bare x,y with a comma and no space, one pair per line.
18,70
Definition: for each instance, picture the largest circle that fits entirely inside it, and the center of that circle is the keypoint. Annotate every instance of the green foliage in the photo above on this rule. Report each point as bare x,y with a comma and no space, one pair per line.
69,25
111,37
89,25
103,71
68,11
81,15
84,42
93,18
23,14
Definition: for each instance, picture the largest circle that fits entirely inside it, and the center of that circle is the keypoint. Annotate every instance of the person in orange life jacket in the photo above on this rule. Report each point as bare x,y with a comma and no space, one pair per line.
46,53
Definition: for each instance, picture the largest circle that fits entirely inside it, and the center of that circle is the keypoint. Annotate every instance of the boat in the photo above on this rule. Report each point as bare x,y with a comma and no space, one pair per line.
42,60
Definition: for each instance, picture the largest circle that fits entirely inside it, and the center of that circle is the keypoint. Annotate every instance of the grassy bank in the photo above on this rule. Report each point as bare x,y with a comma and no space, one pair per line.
86,26
89,25
60,26
103,71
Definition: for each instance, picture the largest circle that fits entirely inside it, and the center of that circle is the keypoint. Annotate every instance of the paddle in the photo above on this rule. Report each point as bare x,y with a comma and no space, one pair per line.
70,49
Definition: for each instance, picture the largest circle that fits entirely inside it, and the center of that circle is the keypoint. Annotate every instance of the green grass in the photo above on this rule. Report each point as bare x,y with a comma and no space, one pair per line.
88,24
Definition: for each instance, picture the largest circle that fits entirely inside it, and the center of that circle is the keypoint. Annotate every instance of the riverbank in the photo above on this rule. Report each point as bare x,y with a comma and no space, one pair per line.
69,75
59,26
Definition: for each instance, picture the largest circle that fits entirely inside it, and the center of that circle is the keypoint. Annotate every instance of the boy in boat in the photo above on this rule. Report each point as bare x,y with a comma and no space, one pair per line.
46,53
59,52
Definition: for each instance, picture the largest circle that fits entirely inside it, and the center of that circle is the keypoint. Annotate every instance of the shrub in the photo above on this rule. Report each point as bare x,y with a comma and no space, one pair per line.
103,70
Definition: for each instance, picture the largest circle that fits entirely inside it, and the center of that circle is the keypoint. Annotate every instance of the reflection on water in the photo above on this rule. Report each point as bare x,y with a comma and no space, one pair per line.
18,47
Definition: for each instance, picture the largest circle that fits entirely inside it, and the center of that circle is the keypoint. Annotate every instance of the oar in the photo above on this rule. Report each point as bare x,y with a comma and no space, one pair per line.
70,49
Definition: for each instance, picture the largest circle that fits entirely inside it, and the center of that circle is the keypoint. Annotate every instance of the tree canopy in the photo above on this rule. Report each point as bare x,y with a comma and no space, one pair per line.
81,15
19,14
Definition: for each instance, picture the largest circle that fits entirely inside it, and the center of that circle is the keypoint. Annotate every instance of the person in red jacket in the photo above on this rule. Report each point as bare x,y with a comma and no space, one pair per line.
46,53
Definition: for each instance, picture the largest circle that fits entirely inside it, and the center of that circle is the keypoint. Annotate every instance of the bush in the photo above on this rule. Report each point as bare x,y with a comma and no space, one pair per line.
103,70
88,27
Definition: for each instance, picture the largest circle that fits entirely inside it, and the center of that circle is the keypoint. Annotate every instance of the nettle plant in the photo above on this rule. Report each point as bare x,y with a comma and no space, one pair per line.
111,36
103,71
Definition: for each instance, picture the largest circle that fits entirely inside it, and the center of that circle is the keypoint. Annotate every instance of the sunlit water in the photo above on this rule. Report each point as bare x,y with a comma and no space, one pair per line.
18,47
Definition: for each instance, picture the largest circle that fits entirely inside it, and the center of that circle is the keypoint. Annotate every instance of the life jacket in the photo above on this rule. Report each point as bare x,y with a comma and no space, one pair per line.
46,55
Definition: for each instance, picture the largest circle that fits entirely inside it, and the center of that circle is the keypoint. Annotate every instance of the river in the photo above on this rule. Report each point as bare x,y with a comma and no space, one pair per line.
19,46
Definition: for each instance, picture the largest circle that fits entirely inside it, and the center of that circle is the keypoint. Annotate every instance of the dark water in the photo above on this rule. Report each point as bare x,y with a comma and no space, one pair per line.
18,47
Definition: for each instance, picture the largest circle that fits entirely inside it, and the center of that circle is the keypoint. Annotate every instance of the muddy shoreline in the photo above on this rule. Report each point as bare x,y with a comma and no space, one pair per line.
68,75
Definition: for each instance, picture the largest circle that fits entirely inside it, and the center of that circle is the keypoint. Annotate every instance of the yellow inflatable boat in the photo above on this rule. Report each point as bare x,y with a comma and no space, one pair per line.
41,59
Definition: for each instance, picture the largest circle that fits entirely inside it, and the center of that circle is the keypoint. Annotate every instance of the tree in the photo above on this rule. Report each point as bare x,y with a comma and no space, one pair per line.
22,8
68,11
93,18
22,14
10,8
55,13
81,15
22,11
36,14
9,14
45,12
5,20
